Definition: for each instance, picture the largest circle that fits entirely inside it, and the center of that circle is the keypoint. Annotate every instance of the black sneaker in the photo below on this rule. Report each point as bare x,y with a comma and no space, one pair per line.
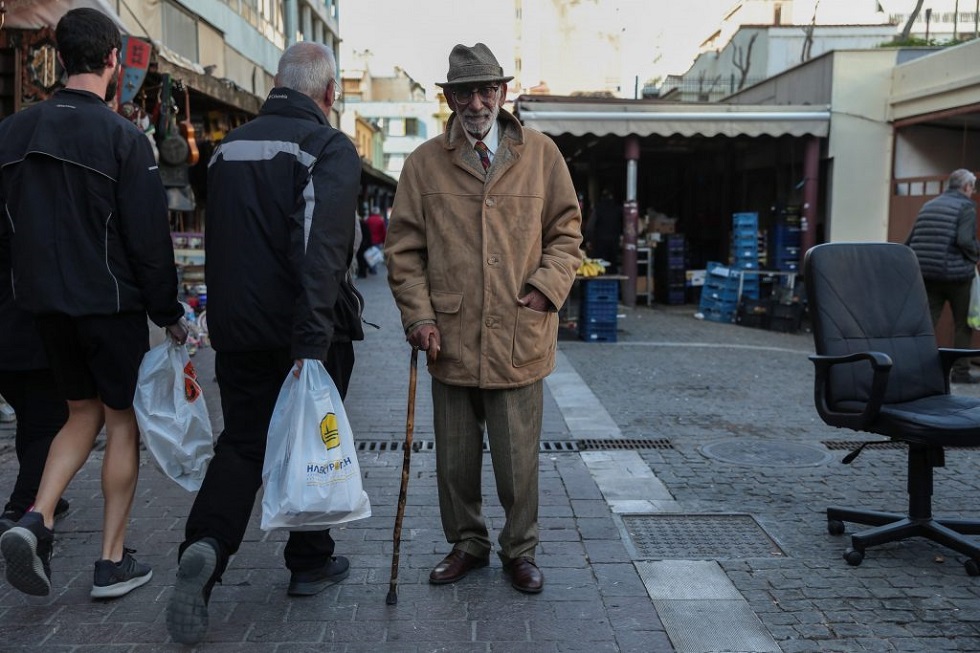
114,579
26,548
10,516
187,611
314,581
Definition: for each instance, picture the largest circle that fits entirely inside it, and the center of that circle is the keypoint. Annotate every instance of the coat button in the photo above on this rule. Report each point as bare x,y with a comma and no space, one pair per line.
489,322
489,202
493,260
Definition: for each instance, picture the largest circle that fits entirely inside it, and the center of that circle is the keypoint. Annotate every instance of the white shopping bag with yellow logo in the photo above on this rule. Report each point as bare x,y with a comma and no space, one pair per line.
311,476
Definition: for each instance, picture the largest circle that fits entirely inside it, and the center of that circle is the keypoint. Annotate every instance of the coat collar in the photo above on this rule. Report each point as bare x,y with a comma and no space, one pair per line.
284,101
510,144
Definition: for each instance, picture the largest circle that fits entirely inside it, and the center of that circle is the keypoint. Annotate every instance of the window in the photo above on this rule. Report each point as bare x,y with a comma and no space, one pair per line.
179,31
395,127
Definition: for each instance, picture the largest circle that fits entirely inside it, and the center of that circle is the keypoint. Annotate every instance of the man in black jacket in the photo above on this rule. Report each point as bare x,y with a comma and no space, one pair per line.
91,257
944,239
282,191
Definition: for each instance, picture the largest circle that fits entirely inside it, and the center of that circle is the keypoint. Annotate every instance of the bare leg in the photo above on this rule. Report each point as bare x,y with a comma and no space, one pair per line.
120,469
69,451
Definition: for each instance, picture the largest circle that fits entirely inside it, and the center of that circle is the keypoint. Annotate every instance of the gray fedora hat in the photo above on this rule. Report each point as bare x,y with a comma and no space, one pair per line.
473,65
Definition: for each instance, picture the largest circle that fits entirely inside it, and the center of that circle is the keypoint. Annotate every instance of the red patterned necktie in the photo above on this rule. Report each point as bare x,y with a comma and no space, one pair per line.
484,152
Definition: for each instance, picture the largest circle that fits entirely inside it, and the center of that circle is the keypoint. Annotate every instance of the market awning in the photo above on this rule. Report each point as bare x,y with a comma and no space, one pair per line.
667,119
379,177
33,14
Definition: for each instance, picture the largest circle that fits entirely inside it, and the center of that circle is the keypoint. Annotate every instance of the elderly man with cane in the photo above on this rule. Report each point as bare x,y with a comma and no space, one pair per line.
483,243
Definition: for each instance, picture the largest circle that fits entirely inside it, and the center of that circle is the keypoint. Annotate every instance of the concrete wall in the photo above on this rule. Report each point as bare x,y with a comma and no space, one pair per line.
860,145
942,80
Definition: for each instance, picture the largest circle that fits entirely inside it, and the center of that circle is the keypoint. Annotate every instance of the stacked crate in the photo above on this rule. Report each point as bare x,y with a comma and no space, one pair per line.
597,310
745,250
670,270
719,296
785,241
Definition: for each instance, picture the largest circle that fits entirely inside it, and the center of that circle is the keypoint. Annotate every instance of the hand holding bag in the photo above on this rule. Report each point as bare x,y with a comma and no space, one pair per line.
311,475
973,315
172,416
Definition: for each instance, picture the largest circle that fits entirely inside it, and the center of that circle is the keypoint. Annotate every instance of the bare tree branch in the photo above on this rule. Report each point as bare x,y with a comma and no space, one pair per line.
907,30
742,60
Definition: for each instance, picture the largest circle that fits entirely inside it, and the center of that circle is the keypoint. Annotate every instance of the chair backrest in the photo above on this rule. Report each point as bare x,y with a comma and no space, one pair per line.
871,297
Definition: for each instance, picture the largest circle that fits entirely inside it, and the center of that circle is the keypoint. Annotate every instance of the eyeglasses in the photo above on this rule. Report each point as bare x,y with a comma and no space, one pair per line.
465,95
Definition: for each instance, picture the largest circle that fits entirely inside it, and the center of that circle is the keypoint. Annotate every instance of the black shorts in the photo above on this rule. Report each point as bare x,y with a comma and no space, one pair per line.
96,356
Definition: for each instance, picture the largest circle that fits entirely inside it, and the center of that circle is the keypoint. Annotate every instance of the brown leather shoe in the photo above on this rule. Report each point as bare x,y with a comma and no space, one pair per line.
525,575
455,566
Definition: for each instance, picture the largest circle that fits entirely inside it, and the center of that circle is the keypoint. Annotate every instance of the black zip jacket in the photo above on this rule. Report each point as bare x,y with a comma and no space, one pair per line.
86,212
282,191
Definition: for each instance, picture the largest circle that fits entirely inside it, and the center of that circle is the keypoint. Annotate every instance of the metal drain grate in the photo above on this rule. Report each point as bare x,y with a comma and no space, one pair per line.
430,445
699,537
618,444
546,446
847,445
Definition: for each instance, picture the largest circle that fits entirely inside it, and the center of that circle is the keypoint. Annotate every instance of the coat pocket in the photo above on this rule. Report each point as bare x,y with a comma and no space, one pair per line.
449,319
535,336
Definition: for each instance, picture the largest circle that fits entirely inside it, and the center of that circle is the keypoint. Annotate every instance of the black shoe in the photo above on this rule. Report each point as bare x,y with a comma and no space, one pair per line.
314,581
963,377
114,579
187,611
26,548
10,516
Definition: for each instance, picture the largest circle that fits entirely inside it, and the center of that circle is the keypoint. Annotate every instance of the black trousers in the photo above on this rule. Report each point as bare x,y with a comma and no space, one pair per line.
249,383
41,412
957,293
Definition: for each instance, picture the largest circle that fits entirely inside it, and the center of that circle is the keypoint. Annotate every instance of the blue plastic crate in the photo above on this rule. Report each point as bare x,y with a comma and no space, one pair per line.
597,332
598,312
719,315
600,289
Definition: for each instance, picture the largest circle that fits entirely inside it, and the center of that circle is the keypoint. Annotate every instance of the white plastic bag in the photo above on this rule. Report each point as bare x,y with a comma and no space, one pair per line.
374,256
311,475
973,316
172,416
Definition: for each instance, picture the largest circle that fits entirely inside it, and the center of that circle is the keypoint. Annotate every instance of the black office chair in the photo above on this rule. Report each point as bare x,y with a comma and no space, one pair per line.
879,370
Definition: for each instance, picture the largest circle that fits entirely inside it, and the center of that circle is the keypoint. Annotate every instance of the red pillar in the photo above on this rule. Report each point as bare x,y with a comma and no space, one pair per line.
811,176
630,219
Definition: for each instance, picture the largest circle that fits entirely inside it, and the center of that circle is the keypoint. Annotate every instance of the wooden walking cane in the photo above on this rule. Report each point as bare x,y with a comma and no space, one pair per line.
406,466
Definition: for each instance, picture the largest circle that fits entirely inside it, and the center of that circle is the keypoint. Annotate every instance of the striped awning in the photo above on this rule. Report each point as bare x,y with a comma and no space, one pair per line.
670,119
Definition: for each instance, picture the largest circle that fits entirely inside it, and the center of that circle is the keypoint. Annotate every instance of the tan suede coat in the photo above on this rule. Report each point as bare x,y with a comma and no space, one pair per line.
463,245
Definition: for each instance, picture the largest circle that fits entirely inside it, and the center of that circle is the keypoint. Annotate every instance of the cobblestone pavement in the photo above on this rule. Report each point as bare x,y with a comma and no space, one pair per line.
735,405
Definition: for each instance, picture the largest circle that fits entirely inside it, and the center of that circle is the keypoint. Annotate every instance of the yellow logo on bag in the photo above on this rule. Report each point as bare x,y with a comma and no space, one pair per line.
329,432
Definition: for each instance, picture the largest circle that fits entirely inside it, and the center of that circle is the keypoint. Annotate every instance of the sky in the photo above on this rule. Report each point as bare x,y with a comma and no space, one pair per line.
417,36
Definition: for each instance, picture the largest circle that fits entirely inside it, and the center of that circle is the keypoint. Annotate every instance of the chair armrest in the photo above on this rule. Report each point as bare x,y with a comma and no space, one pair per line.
947,356
881,364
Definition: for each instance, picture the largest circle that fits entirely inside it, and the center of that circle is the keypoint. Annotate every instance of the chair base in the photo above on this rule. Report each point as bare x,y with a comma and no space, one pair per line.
892,527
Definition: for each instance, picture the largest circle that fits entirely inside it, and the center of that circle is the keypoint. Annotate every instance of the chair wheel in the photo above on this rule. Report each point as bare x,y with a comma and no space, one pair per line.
972,567
854,557
835,527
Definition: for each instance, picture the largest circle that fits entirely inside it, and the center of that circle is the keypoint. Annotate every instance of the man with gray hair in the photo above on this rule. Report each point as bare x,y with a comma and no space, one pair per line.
282,191
944,238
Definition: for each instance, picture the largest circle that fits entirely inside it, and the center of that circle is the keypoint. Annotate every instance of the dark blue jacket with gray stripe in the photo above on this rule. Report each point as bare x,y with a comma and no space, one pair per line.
944,238
282,191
